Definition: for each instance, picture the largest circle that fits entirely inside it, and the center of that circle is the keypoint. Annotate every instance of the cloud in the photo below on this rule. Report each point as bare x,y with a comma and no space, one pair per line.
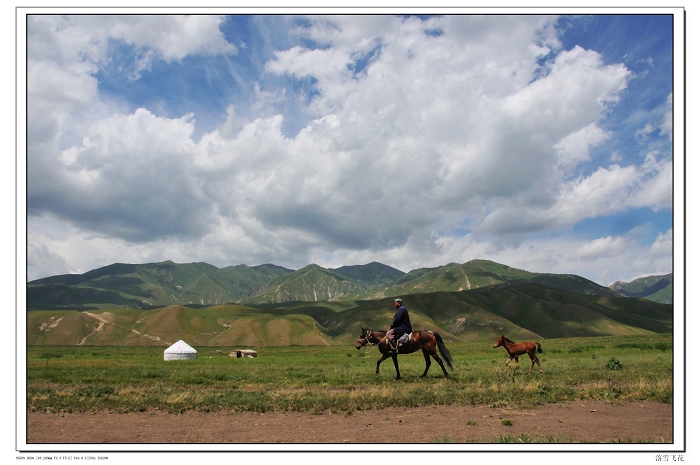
173,37
416,117
418,141
663,245
85,40
604,247
656,190
125,175
65,53
605,192
128,179
667,124
49,262
574,148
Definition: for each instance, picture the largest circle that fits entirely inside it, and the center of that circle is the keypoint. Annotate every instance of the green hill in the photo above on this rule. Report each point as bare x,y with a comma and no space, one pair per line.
656,288
419,272
371,276
225,325
482,273
150,285
309,284
323,294
522,311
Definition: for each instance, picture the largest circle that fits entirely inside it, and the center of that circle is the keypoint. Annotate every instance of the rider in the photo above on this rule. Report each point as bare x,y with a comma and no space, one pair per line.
400,326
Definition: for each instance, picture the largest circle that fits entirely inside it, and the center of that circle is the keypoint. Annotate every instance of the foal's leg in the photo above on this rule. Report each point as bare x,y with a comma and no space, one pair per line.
533,360
427,362
538,364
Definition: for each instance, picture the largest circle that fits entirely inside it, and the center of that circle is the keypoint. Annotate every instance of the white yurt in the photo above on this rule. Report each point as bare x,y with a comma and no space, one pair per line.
180,351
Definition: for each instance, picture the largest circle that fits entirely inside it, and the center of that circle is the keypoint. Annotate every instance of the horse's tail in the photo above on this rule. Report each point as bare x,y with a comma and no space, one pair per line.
443,350
539,349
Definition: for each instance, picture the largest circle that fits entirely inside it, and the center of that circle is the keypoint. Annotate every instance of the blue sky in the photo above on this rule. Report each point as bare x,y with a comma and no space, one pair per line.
540,142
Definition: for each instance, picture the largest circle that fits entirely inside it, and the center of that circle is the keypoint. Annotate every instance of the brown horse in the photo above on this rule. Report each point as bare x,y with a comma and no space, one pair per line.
515,349
427,341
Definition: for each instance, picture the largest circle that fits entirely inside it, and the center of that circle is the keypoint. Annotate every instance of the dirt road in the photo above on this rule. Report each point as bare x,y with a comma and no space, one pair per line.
573,422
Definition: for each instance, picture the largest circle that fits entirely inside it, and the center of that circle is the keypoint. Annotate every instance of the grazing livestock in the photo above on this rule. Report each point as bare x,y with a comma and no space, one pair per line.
515,349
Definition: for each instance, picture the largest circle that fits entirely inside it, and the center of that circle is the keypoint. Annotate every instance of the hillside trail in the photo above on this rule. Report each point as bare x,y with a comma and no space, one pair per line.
571,423
103,321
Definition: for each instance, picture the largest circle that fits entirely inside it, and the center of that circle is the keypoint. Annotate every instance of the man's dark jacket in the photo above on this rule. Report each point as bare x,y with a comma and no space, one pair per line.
401,323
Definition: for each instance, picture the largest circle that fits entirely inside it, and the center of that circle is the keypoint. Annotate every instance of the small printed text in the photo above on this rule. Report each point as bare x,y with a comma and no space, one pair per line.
669,458
62,458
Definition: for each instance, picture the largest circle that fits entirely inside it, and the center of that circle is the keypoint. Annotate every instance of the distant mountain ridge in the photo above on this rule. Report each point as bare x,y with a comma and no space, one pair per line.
312,283
372,276
167,283
524,310
151,284
658,288
477,274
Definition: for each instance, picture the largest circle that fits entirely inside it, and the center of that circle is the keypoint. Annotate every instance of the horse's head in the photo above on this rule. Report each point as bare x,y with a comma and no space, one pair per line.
364,338
501,340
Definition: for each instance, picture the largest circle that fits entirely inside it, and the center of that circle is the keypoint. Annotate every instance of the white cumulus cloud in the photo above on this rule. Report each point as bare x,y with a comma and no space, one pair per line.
427,141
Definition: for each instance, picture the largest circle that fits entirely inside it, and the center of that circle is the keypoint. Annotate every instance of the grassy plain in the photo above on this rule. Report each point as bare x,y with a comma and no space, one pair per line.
341,378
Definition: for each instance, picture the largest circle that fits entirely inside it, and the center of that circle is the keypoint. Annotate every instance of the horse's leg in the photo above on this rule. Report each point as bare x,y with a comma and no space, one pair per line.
384,357
518,363
427,362
439,360
396,365
538,364
532,360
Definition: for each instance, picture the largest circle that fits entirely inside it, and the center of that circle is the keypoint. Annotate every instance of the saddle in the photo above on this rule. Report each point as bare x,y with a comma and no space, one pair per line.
404,338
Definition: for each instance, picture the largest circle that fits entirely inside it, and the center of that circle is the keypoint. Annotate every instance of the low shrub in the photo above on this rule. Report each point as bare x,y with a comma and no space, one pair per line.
613,364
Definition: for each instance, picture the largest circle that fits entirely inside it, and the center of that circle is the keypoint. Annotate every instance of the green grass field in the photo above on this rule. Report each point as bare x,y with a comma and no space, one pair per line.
341,378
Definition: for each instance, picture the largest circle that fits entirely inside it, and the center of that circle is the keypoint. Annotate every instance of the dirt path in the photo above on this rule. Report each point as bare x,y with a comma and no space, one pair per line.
103,321
571,422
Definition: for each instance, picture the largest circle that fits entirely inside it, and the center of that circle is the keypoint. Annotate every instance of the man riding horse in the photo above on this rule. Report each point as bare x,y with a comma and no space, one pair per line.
400,326
428,342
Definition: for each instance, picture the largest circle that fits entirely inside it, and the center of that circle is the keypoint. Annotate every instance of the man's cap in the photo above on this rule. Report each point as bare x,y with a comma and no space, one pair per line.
398,300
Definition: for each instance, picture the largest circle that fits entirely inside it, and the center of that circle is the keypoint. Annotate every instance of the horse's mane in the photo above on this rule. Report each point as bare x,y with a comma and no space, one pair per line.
364,330
508,340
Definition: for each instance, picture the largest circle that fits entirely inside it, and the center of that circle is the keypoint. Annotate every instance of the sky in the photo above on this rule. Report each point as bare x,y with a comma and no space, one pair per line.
540,142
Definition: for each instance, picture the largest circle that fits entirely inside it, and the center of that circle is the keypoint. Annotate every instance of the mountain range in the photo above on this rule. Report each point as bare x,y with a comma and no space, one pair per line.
161,303
656,288
166,283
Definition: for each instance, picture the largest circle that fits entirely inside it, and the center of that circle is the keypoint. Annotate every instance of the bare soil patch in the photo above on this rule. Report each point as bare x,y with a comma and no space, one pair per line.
572,422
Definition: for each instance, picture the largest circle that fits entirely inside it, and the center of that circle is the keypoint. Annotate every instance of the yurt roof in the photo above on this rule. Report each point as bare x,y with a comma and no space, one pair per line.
180,347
